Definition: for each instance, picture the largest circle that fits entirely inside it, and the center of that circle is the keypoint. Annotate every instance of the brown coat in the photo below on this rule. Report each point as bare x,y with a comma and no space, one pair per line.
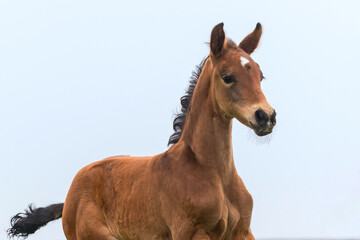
190,192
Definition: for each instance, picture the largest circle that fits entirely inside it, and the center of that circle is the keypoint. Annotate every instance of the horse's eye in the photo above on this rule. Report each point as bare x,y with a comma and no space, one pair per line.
228,79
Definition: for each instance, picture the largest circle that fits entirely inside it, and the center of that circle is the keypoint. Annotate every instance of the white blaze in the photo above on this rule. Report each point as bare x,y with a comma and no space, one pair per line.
244,61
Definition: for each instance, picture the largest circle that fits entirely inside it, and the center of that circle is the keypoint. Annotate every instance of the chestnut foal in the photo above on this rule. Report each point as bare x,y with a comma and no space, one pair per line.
191,191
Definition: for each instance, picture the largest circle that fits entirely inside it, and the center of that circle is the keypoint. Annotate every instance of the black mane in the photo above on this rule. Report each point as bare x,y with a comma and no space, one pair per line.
185,101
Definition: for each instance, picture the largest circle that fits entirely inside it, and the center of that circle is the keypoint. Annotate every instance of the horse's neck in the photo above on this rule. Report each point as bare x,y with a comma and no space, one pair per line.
206,131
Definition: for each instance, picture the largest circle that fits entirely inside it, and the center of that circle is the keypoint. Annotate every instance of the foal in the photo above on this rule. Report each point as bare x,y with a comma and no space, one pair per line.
191,191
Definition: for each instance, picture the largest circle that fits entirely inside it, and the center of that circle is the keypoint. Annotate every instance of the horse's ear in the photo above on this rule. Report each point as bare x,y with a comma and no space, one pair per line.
252,40
217,40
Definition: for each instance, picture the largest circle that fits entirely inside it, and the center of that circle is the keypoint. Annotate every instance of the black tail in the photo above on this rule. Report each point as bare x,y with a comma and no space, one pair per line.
23,224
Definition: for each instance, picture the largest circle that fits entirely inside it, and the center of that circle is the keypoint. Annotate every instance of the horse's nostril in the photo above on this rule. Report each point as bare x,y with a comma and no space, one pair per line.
273,118
261,117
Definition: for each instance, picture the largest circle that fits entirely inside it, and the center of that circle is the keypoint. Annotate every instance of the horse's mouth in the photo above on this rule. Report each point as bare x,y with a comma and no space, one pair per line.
261,130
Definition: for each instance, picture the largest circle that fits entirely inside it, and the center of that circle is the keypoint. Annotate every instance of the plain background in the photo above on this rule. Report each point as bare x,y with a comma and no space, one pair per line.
84,80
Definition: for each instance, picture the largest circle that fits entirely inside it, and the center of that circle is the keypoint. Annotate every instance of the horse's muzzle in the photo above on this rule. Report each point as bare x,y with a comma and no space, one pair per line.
264,124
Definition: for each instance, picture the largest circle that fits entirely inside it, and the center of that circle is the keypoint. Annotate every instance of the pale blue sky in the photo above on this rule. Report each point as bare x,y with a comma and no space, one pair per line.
84,80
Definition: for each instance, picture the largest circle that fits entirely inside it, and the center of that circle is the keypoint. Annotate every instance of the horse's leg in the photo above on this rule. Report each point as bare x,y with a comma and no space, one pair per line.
187,232
95,232
200,235
249,235
91,224
244,235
